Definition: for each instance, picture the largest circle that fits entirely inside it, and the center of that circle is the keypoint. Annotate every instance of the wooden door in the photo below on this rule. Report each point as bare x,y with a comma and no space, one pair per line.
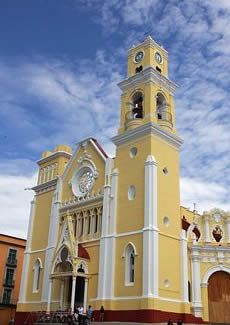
219,297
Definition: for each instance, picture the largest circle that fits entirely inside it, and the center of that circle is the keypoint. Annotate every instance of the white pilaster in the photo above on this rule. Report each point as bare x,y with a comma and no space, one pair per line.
105,267
196,292
85,294
25,268
52,238
184,265
150,231
62,294
206,230
49,296
73,292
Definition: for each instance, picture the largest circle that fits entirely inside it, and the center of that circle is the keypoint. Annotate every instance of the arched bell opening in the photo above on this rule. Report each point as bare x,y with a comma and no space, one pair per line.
137,108
162,109
134,116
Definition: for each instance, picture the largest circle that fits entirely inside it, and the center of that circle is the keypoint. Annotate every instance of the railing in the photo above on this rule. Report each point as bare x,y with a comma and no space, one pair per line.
164,116
8,301
11,261
8,283
134,115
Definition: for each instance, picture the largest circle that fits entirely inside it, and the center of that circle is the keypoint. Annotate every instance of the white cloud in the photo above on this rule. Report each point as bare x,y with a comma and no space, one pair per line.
15,203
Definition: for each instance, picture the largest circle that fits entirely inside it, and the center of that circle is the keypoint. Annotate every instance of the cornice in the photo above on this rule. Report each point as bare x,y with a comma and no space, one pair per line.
53,156
149,42
148,74
210,248
46,186
145,129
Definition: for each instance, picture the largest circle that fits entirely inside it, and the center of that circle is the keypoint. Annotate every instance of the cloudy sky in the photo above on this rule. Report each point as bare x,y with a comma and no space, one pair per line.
60,62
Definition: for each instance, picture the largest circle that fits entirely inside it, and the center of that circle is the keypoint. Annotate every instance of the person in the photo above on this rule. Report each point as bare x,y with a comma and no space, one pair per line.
170,322
179,322
80,315
102,313
76,313
11,321
89,314
59,314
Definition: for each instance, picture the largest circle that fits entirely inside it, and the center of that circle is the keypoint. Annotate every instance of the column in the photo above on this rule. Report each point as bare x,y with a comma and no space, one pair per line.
85,294
52,240
184,265
104,271
62,294
150,231
73,292
196,293
206,229
228,229
23,284
49,296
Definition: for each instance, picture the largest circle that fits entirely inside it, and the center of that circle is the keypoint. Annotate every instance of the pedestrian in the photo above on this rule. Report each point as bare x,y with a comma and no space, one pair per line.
89,314
80,315
179,322
170,322
11,321
102,313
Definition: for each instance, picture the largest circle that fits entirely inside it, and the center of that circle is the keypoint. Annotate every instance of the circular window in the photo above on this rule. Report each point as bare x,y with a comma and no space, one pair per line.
131,192
166,283
82,181
133,152
165,170
64,254
166,221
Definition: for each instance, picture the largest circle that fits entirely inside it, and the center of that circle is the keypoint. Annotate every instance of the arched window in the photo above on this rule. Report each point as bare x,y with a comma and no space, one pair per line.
80,225
37,270
87,222
137,109
95,221
161,106
129,264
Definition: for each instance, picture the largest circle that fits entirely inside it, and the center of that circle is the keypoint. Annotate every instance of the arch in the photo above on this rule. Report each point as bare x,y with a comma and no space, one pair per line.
37,271
212,270
161,106
191,229
137,104
60,260
129,264
84,266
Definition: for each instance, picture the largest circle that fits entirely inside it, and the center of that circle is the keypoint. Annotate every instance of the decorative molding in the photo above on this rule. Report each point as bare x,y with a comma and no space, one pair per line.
148,74
214,269
145,129
78,201
45,187
54,156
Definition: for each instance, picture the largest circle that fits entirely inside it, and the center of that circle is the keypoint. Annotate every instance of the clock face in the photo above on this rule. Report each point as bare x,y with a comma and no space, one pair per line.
139,56
158,57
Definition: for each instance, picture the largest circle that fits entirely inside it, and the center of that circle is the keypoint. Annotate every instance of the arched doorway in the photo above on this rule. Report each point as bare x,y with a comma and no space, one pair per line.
219,297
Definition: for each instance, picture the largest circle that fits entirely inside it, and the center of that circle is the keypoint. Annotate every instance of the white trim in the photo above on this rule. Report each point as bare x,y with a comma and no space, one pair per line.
184,265
138,297
150,266
26,260
148,74
212,270
148,128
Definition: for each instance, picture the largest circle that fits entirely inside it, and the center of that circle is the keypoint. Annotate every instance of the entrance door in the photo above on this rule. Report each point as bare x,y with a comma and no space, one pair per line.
79,293
219,297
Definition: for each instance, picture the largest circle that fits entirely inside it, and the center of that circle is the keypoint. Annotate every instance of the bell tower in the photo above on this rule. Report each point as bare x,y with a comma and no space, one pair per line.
147,92
147,161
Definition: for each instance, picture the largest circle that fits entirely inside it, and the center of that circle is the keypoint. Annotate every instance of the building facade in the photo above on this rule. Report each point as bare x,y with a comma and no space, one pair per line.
11,253
111,231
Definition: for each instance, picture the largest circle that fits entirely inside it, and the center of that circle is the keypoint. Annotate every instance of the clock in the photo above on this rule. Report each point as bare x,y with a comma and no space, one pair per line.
139,56
158,57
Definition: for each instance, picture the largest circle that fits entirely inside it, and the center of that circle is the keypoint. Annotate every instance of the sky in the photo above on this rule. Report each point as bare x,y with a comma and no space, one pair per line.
60,62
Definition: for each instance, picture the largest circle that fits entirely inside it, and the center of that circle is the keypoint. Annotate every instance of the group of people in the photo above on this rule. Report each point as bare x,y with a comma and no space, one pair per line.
179,322
78,315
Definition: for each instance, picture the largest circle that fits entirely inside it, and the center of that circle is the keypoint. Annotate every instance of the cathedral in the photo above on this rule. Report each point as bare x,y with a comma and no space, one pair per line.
110,231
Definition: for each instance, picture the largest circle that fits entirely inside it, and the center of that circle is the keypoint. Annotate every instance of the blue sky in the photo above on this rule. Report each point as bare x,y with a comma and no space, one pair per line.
60,62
